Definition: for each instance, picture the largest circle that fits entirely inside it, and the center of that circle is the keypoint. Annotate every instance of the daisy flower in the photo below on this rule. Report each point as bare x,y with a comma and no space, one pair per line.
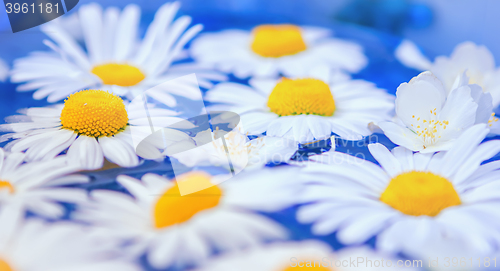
272,50
208,148
4,71
183,230
313,255
33,186
113,58
91,125
305,109
429,120
476,60
38,246
439,198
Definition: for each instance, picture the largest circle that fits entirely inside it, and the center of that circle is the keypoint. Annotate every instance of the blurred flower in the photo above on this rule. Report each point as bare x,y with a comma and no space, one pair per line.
113,59
272,50
38,246
429,120
313,255
305,109
33,186
447,197
175,227
91,125
204,149
477,61
4,71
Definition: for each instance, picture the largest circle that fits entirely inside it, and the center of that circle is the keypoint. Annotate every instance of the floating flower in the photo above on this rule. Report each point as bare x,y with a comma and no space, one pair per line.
476,60
33,186
429,120
305,109
114,58
4,71
448,197
272,50
91,125
38,246
183,230
311,255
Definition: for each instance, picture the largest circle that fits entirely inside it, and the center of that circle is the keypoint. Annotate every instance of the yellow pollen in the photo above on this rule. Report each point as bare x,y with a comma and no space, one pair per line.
119,74
420,193
8,186
4,266
172,208
94,113
277,40
301,96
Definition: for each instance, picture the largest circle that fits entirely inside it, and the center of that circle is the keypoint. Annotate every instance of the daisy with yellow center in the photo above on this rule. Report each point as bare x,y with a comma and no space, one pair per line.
305,109
161,217
34,187
25,247
91,125
429,120
438,197
269,50
113,57
304,255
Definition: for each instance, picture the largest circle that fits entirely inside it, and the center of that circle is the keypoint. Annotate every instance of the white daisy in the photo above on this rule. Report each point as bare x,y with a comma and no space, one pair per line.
38,246
235,150
113,58
429,120
4,71
32,186
91,125
183,230
272,50
476,60
305,109
311,255
438,198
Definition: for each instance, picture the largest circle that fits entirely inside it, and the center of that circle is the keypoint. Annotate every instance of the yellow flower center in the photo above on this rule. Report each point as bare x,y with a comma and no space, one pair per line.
94,113
4,266
119,74
172,208
301,96
8,186
420,193
277,40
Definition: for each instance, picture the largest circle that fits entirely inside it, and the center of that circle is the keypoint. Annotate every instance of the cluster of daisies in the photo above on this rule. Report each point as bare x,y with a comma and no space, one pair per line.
119,98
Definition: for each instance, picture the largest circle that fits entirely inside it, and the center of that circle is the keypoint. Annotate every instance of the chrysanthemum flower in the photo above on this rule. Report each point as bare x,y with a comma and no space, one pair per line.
91,125
4,71
38,246
184,230
271,50
305,109
429,120
476,60
113,59
33,186
310,255
438,198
